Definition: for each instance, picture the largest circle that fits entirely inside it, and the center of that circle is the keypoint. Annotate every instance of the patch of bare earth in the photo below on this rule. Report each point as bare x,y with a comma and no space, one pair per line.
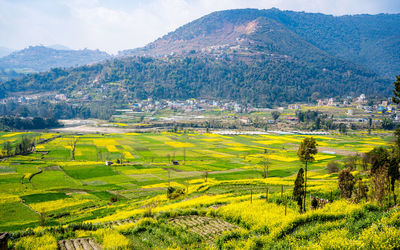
90,129
120,222
337,151
80,243
53,168
208,228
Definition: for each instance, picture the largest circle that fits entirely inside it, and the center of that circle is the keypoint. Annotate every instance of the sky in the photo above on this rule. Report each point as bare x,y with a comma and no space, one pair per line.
114,25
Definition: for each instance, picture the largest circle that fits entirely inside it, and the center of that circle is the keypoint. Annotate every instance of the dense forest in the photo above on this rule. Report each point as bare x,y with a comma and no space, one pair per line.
259,82
368,40
11,123
61,110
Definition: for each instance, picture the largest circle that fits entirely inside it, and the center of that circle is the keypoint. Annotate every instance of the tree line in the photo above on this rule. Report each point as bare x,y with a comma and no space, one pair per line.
26,146
12,123
60,110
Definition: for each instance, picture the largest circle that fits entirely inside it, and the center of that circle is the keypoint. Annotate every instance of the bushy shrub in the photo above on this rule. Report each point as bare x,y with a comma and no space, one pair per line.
346,183
333,167
113,199
314,203
173,193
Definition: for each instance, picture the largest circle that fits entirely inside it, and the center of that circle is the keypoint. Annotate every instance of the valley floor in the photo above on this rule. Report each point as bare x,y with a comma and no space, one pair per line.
185,190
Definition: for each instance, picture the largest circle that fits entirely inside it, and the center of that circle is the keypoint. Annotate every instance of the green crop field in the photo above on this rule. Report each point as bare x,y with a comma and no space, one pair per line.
221,178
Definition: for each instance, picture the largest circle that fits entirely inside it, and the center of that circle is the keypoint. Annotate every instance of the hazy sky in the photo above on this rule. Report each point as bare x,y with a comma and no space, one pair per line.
113,25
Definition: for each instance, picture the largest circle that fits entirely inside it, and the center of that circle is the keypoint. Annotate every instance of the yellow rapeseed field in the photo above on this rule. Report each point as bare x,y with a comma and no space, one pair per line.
104,142
213,153
45,242
112,148
128,155
165,184
12,134
269,142
178,144
57,204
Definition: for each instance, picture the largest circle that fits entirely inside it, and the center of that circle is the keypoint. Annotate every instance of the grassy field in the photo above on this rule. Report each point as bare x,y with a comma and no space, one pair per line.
71,192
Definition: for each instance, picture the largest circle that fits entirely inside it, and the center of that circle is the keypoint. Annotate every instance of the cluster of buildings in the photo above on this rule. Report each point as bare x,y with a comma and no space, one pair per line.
189,105
360,102
33,97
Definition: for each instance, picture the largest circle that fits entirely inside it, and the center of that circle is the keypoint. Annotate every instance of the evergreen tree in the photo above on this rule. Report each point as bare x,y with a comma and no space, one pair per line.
393,171
346,182
298,191
378,158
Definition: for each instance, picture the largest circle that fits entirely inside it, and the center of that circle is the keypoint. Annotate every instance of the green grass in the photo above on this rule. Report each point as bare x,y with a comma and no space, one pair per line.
15,215
32,198
162,236
88,172
249,174
52,180
6,169
103,195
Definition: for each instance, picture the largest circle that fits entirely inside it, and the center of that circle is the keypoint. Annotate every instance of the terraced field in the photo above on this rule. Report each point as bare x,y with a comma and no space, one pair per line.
223,194
208,228
79,244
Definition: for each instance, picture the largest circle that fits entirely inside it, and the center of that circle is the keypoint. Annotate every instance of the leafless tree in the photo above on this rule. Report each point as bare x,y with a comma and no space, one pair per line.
266,163
72,144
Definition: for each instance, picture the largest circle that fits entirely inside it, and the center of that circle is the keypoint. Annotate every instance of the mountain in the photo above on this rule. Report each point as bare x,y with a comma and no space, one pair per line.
372,41
249,55
5,51
58,46
41,58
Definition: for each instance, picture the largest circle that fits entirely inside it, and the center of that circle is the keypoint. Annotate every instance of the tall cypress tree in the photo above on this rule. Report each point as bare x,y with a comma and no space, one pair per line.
298,191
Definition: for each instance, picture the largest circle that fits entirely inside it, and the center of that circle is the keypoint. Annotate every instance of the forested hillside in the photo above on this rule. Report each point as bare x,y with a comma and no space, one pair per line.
253,56
259,82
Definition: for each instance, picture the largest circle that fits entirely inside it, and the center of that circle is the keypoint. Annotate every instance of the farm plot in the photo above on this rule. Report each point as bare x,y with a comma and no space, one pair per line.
16,215
147,170
80,243
6,170
208,228
120,222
